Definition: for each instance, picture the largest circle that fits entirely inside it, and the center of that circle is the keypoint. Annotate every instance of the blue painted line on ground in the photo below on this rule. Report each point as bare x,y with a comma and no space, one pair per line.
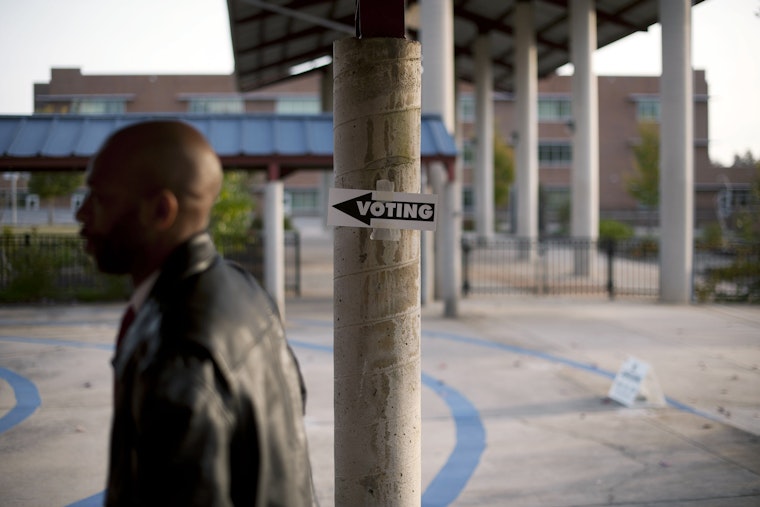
450,481
452,478
522,351
444,489
56,342
27,399
560,360
105,323
96,500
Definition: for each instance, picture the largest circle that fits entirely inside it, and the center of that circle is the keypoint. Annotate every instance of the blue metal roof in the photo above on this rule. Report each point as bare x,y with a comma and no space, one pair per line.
66,142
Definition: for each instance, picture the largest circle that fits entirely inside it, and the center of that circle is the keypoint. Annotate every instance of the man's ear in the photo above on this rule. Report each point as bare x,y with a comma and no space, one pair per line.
163,210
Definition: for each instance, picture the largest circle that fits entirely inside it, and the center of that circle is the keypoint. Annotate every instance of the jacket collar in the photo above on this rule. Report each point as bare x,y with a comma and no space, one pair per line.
191,257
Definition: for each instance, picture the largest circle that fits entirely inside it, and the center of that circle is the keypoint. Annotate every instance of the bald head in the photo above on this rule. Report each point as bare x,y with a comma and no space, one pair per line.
158,180
169,155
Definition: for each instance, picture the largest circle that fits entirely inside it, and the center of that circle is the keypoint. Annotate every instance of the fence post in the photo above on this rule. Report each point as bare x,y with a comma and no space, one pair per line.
297,245
543,267
465,267
610,244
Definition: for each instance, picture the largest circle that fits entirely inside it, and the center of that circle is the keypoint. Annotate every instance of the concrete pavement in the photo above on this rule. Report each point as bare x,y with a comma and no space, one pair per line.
514,400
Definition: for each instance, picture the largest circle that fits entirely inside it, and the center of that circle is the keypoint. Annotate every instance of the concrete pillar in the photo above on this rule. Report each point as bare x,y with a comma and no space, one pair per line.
438,83
584,222
451,257
274,253
483,178
526,98
676,153
438,179
377,282
427,252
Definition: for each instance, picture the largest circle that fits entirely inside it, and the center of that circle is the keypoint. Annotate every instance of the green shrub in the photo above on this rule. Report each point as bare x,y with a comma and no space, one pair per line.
614,230
30,275
711,237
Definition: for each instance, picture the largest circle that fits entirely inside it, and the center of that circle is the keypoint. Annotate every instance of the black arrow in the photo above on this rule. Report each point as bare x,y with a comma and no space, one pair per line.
351,208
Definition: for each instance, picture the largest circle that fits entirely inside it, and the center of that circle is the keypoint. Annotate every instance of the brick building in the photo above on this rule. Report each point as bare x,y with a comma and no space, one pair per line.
624,103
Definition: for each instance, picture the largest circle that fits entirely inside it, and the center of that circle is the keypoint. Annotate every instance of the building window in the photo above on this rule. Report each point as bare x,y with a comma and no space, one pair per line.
468,152
468,199
53,108
467,109
555,154
303,201
98,106
32,202
648,109
298,105
554,109
729,201
216,105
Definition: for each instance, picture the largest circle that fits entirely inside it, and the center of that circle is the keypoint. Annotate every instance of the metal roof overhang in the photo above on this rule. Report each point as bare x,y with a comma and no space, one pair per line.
271,37
278,144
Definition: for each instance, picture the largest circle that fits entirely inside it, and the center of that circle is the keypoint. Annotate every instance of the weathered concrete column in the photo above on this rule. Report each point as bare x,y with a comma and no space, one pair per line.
274,253
526,97
484,221
676,153
377,283
584,221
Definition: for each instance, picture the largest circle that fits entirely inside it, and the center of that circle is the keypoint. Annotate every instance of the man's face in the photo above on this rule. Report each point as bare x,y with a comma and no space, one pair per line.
110,217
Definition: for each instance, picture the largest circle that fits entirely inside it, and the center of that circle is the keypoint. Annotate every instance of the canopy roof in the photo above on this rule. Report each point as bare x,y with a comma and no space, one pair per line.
248,141
271,37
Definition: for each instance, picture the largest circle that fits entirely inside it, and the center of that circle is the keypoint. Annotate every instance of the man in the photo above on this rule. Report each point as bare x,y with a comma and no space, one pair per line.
208,398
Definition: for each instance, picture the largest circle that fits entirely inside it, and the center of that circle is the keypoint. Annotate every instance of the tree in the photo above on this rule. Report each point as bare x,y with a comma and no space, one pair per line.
51,185
644,185
231,215
748,219
503,171
748,160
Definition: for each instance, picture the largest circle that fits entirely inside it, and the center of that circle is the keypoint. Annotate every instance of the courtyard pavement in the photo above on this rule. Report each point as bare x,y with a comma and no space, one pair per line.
514,404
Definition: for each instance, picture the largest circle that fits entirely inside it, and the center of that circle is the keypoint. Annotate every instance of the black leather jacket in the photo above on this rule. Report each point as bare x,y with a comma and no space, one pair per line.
208,401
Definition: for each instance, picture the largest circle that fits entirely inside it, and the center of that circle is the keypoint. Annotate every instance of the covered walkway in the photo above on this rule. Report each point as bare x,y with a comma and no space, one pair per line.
279,144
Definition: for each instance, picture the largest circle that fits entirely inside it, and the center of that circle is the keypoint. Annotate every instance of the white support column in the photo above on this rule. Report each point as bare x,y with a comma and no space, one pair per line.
437,180
274,242
585,177
326,106
484,136
437,38
526,95
427,253
676,153
438,97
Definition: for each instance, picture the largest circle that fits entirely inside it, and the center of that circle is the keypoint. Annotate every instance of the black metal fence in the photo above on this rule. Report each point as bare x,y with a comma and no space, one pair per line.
730,272
50,267
606,268
250,255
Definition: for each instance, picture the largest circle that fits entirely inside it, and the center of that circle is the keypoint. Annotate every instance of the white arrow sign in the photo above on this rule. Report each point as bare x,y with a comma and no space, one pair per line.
382,210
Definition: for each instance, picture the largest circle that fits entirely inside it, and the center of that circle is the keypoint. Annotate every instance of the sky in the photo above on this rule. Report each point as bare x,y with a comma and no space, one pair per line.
193,37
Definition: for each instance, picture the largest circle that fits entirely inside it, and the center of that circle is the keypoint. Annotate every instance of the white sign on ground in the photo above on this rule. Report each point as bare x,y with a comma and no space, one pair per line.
381,209
628,381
